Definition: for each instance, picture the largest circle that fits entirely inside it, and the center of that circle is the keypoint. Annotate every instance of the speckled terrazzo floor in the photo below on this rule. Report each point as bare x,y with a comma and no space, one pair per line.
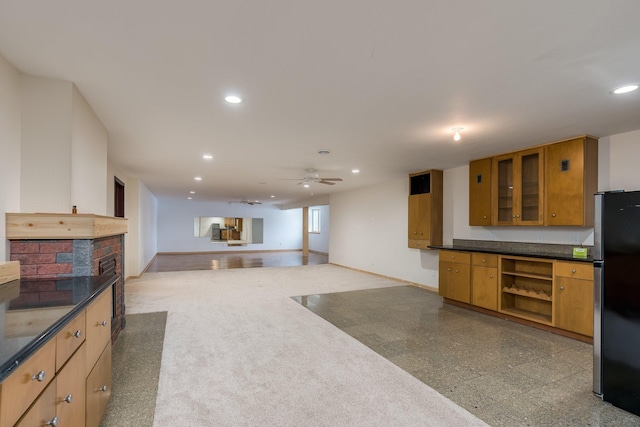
505,373
136,368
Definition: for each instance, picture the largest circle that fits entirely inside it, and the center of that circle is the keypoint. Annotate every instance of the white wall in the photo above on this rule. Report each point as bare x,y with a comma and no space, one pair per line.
369,232
319,242
147,227
64,150
10,132
282,228
88,158
625,161
45,174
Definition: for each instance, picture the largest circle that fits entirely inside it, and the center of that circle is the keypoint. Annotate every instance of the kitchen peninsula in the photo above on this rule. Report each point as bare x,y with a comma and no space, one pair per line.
60,317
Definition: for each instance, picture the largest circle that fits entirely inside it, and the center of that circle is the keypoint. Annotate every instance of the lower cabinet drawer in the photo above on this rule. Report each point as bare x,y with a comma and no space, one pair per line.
43,411
98,389
26,383
71,390
98,327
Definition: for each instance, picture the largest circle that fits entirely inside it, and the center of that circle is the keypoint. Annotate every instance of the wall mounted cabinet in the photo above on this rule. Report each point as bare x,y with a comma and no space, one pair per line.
517,188
425,209
548,185
480,192
571,169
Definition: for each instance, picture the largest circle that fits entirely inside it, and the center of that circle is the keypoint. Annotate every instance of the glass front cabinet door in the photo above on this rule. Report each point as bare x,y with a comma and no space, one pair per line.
517,188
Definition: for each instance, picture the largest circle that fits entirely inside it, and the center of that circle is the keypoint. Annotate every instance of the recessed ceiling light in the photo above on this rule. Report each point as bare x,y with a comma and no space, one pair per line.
192,192
625,89
207,156
189,198
272,196
198,178
232,99
306,185
355,171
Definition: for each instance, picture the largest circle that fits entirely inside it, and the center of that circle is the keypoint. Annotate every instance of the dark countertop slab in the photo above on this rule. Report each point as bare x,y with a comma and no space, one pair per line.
64,297
535,250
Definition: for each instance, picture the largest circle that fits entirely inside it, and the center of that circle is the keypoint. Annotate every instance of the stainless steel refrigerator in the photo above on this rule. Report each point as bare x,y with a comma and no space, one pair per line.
616,340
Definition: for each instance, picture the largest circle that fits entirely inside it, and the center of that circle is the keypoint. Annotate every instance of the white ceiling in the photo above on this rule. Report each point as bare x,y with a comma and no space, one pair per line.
379,83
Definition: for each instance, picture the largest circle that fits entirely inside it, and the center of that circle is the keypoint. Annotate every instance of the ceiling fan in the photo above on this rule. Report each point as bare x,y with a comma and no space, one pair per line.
246,202
311,176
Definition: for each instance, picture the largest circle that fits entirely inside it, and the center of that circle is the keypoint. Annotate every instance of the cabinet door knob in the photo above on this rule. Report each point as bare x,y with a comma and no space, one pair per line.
53,422
491,276
518,216
40,376
453,257
553,215
103,388
68,399
448,269
415,232
484,217
457,270
103,323
77,334
562,288
514,216
484,260
573,271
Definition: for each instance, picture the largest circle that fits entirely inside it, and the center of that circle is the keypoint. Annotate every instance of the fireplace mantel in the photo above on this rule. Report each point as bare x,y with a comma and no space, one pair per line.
62,226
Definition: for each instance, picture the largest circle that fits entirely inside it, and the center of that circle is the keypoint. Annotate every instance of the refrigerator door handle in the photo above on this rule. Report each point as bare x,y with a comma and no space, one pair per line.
597,326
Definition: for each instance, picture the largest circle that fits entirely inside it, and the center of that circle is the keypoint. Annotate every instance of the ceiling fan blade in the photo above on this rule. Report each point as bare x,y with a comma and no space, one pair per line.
322,181
331,179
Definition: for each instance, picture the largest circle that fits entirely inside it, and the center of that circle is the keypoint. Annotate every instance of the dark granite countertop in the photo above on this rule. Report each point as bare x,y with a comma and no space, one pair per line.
534,250
55,300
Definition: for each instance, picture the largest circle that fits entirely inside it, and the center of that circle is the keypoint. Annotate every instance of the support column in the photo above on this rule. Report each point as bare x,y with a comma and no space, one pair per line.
305,231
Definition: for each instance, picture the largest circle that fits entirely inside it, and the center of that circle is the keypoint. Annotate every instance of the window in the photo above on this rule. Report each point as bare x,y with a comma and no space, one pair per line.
314,221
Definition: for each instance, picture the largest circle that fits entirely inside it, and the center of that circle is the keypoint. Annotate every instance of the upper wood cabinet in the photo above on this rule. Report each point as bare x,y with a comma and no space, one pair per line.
572,179
480,192
551,184
517,188
425,209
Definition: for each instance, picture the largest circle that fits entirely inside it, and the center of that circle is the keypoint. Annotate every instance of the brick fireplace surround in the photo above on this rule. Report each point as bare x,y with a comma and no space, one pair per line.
66,258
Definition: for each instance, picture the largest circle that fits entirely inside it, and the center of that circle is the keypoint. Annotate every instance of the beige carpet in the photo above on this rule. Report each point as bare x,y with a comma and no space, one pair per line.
239,351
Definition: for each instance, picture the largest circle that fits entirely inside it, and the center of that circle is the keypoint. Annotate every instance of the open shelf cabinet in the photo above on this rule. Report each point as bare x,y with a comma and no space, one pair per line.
526,288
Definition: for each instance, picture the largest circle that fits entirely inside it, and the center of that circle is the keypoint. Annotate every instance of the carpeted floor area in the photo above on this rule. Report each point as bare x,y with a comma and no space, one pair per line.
238,351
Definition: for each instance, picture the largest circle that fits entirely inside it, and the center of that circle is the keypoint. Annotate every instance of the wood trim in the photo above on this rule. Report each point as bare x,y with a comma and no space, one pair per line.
227,252
318,252
62,226
9,271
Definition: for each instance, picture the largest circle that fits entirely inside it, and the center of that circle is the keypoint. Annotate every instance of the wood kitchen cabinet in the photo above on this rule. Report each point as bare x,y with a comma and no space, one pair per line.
571,176
425,209
484,280
480,192
573,297
549,185
517,188
454,276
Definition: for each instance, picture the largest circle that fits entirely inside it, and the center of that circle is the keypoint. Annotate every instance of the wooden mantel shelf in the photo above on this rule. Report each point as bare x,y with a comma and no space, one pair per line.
23,226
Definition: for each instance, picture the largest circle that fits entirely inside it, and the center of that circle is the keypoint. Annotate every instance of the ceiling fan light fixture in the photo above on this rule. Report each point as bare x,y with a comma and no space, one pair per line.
306,185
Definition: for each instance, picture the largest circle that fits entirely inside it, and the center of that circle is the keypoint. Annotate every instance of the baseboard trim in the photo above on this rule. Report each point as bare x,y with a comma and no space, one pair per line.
229,252
418,285
319,253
